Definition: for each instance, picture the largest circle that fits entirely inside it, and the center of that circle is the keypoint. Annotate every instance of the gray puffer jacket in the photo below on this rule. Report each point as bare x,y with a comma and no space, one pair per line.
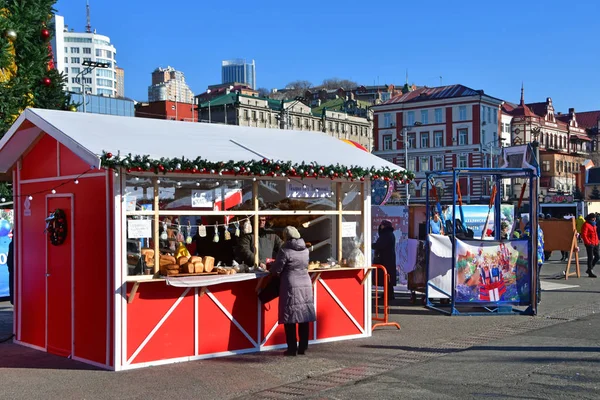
296,302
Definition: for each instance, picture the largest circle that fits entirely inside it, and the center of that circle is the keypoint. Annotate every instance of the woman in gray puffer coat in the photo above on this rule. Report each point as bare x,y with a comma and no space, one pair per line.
296,302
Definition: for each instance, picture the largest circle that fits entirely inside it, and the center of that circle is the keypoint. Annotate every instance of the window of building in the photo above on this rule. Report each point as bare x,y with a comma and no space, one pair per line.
424,140
410,118
424,164
424,116
411,164
438,115
262,116
66,70
75,60
438,163
105,92
245,114
75,50
66,50
412,140
337,127
546,166
87,59
462,113
387,142
313,124
463,137
102,82
87,50
387,120
66,59
412,188
75,80
253,115
495,116
463,161
438,138
557,166
489,114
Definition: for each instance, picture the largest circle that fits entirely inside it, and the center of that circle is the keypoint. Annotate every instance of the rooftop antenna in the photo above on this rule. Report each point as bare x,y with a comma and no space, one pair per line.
88,27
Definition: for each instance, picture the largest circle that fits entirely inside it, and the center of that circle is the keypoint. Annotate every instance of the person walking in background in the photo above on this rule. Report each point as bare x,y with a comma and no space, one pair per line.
385,254
10,263
589,235
296,302
436,226
578,224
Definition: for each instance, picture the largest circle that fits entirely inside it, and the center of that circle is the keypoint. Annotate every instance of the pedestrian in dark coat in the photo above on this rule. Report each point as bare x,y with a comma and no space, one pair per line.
385,254
268,245
296,302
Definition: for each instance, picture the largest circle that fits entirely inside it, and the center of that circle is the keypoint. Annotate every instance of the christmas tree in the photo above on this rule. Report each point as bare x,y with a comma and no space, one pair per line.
27,74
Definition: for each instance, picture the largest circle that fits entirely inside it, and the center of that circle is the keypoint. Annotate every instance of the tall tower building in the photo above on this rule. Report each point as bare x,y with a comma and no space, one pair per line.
169,84
238,70
72,48
120,74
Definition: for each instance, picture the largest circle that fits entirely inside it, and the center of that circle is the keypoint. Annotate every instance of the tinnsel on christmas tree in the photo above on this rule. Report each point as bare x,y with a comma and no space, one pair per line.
27,74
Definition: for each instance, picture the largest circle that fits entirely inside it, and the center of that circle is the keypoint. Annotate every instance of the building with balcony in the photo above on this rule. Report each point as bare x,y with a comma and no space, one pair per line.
563,144
168,84
232,107
439,128
72,48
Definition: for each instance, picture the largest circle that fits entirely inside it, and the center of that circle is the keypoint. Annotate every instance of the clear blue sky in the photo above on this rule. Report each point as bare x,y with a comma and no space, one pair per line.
552,46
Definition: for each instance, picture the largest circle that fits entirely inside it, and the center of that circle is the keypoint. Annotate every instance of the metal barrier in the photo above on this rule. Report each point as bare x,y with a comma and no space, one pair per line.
383,320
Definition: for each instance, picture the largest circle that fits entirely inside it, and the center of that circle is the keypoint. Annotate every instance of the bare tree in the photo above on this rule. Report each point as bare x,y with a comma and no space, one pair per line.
336,83
263,92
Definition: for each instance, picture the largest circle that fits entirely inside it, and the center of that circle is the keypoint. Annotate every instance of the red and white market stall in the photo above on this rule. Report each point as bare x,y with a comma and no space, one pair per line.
111,212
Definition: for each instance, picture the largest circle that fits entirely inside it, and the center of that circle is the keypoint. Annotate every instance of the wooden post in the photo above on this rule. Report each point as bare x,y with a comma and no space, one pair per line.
156,232
256,222
338,191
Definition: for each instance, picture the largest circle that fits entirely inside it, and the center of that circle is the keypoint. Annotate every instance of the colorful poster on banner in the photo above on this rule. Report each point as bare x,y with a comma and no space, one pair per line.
492,272
381,192
475,216
398,215
6,223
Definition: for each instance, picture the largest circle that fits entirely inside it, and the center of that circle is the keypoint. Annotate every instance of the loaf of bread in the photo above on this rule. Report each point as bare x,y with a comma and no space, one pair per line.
182,260
195,259
148,255
221,271
164,260
168,269
172,272
209,263
198,267
187,268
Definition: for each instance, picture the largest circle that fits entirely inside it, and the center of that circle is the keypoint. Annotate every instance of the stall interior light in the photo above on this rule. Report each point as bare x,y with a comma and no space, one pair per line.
30,197
197,183
77,181
53,191
158,181
3,199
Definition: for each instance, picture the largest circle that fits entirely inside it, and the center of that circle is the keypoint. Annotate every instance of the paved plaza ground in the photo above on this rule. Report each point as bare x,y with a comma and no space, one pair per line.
554,355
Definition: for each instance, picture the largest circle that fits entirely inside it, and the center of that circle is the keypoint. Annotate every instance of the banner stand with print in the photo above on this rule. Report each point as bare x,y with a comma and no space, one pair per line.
488,273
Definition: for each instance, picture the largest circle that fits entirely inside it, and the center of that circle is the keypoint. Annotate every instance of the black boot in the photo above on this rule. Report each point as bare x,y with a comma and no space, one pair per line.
591,274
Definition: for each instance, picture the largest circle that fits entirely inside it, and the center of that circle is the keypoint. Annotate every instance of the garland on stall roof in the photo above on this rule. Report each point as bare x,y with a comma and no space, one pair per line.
264,167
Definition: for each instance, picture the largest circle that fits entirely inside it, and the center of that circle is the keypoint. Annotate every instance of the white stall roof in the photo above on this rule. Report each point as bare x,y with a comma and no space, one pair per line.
88,135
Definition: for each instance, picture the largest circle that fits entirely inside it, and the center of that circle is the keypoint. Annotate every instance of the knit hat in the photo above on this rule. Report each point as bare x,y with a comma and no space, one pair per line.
291,233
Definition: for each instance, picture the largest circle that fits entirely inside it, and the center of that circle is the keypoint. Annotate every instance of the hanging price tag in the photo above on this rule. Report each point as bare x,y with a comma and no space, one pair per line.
202,231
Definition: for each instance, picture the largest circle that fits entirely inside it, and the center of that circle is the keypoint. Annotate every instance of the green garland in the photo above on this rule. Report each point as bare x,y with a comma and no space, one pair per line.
264,167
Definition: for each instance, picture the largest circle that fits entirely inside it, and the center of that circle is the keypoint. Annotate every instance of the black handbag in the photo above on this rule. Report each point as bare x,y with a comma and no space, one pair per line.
271,290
